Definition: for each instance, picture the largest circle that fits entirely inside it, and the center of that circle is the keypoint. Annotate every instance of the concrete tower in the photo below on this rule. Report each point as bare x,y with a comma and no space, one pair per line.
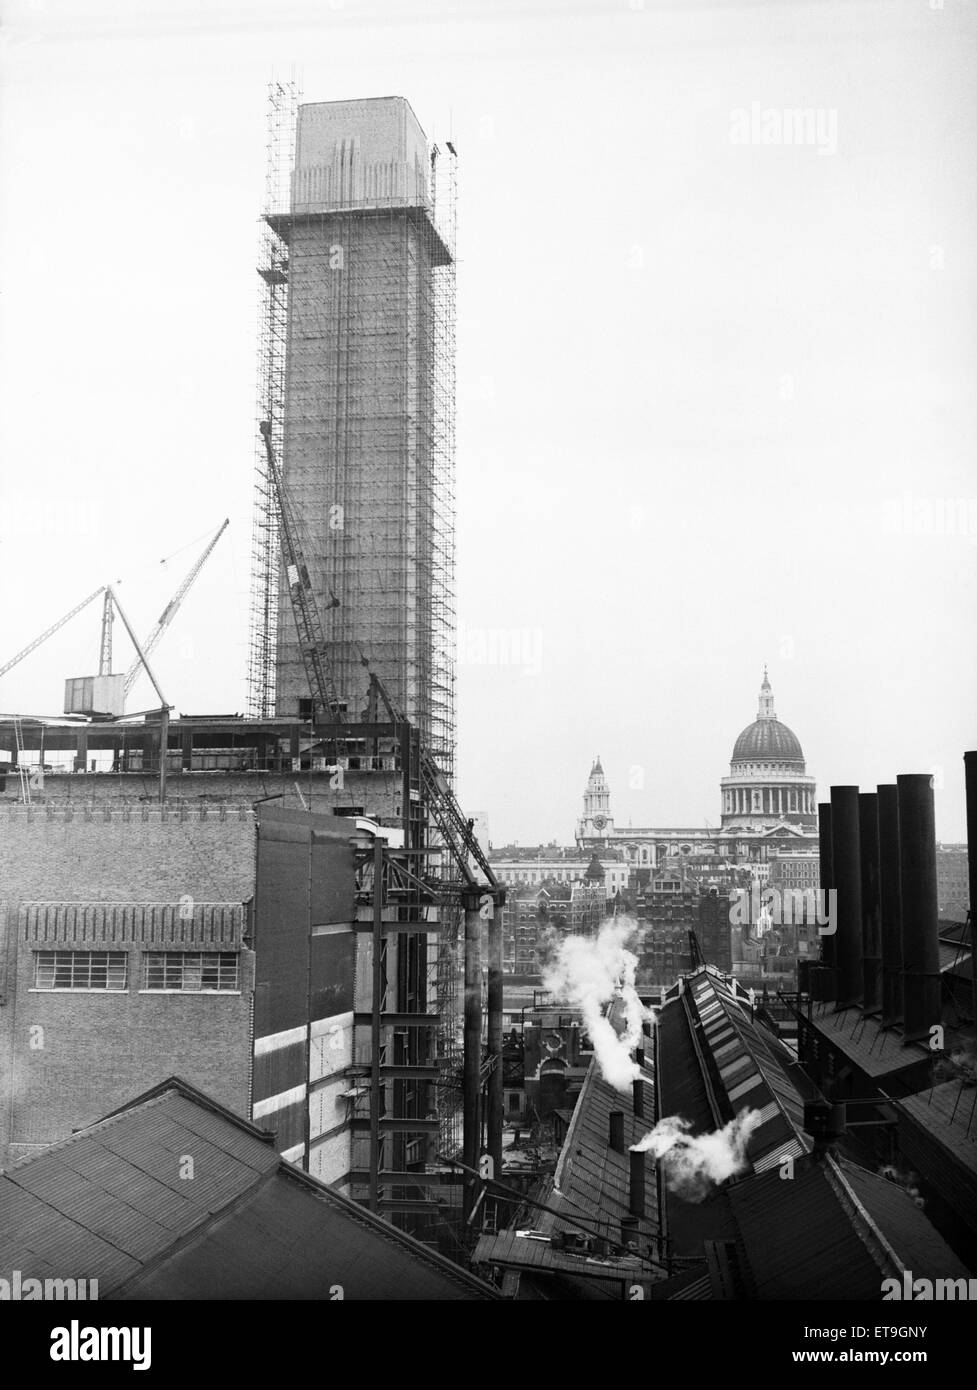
368,438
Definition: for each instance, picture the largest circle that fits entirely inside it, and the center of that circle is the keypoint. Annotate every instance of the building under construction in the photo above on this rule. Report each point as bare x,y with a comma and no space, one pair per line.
349,857
357,384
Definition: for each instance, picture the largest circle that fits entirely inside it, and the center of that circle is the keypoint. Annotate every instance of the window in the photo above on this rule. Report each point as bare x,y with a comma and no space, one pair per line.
191,970
80,970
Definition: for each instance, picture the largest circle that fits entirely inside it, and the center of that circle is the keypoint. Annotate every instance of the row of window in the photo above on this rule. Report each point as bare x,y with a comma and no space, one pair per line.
193,971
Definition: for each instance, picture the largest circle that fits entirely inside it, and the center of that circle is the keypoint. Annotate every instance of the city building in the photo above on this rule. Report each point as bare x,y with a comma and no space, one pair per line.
137,940
525,866
535,918
768,787
669,911
886,1023
767,807
140,935
953,885
797,1218
244,967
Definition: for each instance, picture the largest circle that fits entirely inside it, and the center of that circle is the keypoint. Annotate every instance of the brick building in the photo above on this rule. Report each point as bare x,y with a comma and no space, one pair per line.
140,941
123,958
952,883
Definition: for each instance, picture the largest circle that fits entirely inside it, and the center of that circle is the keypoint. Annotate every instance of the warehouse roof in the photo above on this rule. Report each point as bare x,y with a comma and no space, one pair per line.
176,1197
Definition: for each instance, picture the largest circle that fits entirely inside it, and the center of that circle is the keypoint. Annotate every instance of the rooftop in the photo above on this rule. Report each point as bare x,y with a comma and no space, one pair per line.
115,1203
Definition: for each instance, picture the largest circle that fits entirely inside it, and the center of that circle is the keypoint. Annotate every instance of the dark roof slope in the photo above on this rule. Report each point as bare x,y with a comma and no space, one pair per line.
117,1203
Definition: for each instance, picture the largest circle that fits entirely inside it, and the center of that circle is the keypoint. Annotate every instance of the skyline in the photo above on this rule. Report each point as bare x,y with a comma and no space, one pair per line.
716,400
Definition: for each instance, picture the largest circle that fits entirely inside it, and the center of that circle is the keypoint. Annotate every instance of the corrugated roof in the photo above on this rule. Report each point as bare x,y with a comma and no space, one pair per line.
833,1231
592,1179
875,1050
754,1069
530,1253
938,1135
117,1203
905,1226
798,1242
294,1240
948,1111
955,956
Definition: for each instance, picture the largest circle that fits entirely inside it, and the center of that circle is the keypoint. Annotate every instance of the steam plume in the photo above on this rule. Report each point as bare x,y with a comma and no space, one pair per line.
592,973
695,1163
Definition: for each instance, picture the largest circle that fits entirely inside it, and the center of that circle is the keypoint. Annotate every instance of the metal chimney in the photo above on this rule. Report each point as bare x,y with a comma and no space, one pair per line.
890,903
615,1131
920,914
636,1183
638,1090
827,986
970,772
847,882
868,842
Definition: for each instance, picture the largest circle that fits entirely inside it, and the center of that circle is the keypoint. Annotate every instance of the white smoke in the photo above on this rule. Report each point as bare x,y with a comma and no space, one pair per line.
694,1163
592,973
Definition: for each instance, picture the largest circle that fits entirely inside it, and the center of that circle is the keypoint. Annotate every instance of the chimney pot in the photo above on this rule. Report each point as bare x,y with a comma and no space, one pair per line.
615,1134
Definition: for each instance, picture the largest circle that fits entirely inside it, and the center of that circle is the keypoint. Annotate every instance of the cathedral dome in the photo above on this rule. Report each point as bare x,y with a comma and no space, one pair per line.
767,741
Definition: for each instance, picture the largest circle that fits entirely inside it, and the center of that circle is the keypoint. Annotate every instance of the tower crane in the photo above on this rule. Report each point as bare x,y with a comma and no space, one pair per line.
49,632
308,622
170,611
455,828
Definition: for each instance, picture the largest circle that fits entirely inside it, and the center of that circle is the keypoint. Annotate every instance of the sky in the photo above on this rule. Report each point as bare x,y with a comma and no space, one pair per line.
717,369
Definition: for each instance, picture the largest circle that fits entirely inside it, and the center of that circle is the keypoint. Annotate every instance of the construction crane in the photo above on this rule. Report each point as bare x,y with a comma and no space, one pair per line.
49,632
455,828
308,623
169,612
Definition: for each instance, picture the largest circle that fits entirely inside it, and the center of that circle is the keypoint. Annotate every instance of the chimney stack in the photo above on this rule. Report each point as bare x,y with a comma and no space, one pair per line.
847,883
970,772
638,1089
827,986
920,930
890,903
615,1134
868,841
636,1183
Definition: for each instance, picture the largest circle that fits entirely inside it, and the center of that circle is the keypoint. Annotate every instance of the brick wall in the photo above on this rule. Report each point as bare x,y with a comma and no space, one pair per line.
377,792
78,1054
68,1057
118,853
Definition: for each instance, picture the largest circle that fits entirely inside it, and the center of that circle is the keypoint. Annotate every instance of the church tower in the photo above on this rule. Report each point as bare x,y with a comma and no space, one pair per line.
597,823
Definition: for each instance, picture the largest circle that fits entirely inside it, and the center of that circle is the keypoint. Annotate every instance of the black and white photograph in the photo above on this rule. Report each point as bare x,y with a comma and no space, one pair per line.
488,678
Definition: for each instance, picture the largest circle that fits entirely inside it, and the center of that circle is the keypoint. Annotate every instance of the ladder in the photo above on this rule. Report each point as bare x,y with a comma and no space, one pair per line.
25,780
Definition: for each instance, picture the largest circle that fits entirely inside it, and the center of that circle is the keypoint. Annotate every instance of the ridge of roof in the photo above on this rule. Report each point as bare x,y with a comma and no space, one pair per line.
864,1225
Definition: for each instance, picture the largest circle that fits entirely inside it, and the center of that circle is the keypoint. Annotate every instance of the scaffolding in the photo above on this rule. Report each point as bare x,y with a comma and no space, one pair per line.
368,456
283,99
357,377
